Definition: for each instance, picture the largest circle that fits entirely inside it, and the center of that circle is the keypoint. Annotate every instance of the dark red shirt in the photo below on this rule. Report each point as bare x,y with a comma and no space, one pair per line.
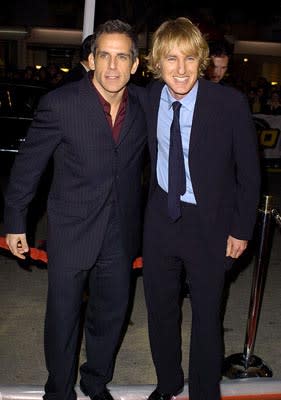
116,128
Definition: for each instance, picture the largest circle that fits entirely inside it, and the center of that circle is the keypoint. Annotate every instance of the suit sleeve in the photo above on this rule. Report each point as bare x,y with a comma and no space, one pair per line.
245,148
30,163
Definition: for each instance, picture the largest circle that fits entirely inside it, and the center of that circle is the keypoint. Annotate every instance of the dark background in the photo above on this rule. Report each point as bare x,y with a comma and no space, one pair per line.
226,18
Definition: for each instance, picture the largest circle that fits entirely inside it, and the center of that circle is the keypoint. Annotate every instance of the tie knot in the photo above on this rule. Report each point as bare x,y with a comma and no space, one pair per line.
176,105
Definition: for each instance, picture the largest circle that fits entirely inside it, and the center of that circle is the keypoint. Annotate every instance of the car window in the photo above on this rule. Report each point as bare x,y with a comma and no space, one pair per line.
20,100
5,101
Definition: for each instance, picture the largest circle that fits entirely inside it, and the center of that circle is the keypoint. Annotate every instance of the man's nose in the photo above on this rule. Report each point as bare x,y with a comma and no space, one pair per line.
181,67
112,62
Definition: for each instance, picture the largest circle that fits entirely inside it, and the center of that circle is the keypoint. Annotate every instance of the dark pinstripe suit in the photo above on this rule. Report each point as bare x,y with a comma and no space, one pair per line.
93,219
224,170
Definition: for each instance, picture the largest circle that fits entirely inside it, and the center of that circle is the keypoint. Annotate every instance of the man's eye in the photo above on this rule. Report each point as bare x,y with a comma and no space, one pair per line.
123,57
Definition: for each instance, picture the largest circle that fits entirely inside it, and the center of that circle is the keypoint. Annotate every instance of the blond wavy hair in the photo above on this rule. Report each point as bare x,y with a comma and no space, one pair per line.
179,32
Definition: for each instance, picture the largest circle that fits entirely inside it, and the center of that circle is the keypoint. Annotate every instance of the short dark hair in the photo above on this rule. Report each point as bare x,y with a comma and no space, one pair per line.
85,48
117,26
220,48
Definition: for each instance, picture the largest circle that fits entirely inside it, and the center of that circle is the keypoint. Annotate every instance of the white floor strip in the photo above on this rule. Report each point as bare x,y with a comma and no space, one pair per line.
251,386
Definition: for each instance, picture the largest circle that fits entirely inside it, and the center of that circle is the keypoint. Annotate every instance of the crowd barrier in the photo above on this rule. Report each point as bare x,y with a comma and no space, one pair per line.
247,364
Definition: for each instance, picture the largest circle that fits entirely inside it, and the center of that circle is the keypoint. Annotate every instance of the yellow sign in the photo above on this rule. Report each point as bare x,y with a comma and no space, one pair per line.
268,137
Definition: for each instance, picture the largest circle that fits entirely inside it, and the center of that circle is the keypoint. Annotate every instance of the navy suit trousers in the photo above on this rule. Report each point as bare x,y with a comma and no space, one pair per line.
169,247
108,285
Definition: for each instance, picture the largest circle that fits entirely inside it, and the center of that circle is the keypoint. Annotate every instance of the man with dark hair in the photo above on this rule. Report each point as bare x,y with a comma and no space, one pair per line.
95,131
220,53
81,69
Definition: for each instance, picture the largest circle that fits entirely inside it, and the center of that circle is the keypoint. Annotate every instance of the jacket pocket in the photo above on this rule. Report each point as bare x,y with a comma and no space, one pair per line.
59,208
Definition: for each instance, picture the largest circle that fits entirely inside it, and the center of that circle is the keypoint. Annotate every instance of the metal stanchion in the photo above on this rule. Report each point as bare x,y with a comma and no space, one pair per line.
246,364
276,216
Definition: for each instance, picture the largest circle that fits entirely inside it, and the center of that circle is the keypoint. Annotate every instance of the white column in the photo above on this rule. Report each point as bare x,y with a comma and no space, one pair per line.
89,18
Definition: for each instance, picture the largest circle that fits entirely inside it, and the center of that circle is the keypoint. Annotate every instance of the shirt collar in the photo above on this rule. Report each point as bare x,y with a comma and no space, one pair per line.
187,101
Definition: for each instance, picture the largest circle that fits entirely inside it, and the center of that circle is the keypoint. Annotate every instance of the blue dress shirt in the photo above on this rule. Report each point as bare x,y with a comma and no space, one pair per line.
163,137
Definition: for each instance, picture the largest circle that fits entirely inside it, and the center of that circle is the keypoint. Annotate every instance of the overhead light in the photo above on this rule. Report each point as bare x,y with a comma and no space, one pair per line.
257,48
55,36
12,33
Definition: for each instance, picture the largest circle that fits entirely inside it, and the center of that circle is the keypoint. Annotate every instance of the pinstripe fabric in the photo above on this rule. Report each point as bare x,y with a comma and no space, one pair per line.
93,219
90,171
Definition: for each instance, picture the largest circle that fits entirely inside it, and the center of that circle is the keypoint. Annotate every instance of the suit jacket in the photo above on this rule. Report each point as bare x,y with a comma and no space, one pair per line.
223,161
91,172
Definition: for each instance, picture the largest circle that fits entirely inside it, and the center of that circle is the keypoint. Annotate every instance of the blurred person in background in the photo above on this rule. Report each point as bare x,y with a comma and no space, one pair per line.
257,100
273,104
82,68
219,53
42,75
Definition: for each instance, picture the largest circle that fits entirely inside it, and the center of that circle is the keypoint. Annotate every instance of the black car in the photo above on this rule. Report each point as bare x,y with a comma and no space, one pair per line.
18,102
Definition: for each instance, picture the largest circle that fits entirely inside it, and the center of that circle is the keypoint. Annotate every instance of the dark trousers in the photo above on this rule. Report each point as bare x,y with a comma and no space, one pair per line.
108,282
167,248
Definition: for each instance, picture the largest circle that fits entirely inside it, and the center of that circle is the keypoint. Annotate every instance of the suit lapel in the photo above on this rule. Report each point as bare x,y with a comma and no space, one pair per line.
92,105
131,110
154,103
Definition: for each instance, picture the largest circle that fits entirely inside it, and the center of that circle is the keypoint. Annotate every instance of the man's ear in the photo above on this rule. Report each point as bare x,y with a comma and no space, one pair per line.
135,66
91,61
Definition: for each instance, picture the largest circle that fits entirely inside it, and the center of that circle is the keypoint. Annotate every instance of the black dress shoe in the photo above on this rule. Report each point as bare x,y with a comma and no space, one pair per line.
104,395
155,395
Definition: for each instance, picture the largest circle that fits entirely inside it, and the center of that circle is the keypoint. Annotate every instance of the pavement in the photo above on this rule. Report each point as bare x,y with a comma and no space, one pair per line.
23,296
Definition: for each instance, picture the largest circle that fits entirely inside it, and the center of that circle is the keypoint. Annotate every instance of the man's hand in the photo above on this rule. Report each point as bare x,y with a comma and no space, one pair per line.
17,244
235,247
